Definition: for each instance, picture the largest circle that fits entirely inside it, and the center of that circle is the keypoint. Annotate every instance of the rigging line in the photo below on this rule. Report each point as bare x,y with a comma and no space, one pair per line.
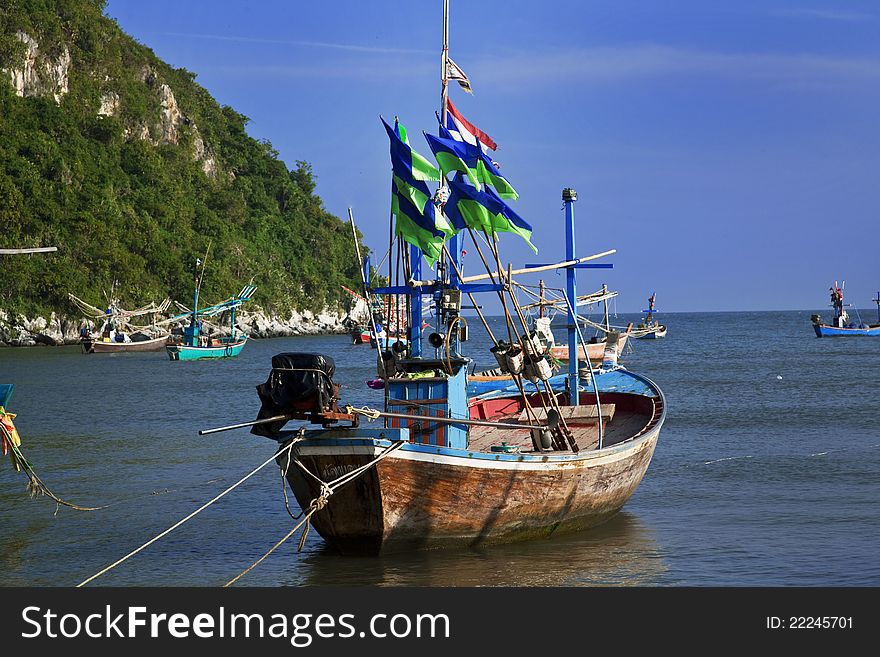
510,327
592,373
316,505
554,402
382,262
190,516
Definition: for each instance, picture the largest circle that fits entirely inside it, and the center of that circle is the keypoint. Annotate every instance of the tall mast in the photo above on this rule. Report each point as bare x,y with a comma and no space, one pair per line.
541,298
444,67
605,293
457,240
569,196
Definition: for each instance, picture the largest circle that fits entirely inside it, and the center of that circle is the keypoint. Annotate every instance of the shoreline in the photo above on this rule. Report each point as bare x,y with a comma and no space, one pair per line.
62,330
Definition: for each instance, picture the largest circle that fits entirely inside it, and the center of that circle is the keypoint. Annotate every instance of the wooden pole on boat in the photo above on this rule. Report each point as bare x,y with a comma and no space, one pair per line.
607,321
541,298
509,320
533,417
265,420
564,430
357,249
553,418
535,270
516,378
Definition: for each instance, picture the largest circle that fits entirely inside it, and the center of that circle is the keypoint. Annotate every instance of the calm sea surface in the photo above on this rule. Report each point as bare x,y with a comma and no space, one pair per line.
767,471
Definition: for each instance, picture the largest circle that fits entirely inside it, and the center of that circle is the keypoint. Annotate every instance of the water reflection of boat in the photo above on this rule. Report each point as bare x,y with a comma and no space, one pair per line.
622,552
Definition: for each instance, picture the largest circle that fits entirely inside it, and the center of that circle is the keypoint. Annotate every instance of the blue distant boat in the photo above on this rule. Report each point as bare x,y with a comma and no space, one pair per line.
650,329
841,324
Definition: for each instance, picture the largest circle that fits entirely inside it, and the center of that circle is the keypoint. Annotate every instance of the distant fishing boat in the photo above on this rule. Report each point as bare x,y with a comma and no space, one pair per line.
117,333
841,325
650,329
388,322
607,345
197,344
448,468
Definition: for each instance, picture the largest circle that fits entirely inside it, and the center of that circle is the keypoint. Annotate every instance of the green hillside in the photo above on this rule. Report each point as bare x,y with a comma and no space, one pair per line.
133,169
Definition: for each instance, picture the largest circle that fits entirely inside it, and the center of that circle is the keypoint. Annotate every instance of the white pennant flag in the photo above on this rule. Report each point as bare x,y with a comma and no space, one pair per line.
453,72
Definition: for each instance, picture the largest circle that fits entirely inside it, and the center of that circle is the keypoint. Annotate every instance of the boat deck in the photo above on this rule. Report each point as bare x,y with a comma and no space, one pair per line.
582,420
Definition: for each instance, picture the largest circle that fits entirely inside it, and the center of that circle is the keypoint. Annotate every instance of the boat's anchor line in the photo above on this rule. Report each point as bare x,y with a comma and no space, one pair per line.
317,503
193,514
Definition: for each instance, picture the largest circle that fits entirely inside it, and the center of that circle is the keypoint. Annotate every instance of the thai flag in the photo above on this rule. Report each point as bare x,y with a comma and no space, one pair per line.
463,130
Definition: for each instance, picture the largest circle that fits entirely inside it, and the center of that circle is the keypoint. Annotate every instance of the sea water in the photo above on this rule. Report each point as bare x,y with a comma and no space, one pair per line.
767,470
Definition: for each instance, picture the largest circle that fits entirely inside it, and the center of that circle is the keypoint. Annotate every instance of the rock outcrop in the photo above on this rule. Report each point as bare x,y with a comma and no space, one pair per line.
21,331
40,74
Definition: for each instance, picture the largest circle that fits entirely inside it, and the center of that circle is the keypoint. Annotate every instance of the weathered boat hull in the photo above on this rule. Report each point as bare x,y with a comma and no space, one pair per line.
653,334
595,350
413,500
428,497
95,346
825,331
186,352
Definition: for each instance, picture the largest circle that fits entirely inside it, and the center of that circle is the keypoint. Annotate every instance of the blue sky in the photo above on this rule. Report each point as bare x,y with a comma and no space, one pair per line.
729,151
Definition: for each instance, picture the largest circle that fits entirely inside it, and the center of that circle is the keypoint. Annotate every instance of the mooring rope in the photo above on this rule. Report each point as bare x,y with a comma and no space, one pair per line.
318,503
191,515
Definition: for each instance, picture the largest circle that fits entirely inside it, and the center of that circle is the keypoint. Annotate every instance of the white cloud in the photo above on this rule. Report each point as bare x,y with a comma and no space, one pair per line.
825,14
289,42
612,63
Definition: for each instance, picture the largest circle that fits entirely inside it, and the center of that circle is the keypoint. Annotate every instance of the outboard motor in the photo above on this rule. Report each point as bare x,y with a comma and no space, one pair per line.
300,386
816,319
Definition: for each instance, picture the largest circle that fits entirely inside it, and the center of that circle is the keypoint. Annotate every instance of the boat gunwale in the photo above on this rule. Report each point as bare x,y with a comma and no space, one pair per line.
649,431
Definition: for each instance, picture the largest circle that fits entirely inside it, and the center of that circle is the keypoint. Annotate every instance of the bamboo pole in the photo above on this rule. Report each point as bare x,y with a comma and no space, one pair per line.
357,248
535,270
547,387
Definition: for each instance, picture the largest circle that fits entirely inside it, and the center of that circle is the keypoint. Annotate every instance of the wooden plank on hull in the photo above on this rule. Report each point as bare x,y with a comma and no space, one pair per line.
587,414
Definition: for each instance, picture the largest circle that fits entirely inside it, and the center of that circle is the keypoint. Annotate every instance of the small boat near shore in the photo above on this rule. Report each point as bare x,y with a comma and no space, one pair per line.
117,332
198,342
109,345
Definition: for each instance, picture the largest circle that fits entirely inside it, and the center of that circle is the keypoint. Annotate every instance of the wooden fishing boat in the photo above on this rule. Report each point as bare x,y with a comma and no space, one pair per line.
649,329
841,325
137,342
194,342
225,347
451,468
594,350
438,465
495,488
117,332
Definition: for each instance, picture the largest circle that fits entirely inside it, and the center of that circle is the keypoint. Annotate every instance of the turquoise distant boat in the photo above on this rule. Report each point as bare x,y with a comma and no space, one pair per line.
222,348
195,344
